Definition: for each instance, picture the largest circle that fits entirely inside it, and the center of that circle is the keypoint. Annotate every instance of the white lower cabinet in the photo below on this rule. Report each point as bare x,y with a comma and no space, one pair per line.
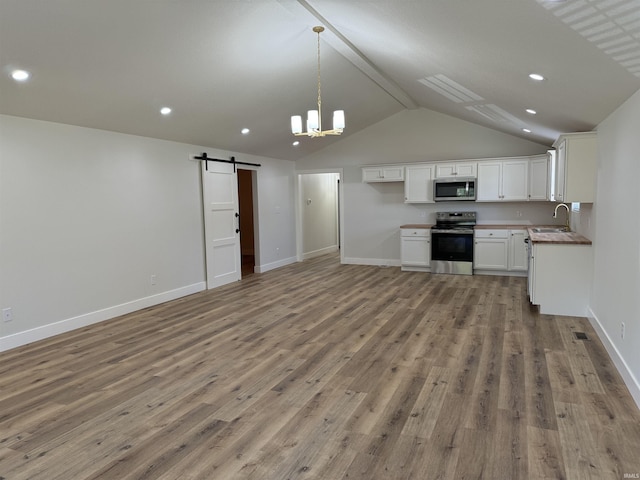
500,250
415,249
518,254
490,251
559,278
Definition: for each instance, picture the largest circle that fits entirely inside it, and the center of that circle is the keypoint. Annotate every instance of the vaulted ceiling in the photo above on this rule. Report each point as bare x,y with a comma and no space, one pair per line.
223,65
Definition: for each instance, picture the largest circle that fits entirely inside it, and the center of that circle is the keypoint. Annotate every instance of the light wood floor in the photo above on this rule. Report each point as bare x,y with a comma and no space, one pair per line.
322,371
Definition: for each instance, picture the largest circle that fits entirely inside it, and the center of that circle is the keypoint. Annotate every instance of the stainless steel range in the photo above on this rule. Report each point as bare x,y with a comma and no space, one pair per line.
452,243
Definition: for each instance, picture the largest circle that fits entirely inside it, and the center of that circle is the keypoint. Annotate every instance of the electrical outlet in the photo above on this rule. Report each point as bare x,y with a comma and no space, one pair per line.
7,314
622,329
153,279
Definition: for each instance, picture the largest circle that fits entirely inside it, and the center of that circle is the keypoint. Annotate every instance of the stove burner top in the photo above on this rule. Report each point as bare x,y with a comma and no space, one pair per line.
452,229
460,222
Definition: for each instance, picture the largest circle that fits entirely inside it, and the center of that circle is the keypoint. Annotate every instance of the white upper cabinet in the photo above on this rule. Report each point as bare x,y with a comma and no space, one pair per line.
383,173
456,169
418,184
575,168
515,180
503,180
488,188
509,179
539,177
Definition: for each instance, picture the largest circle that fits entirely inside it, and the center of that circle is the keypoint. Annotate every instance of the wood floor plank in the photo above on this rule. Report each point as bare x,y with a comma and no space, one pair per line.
506,455
544,454
387,431
578,448
318,371
441,456
473,452
426,410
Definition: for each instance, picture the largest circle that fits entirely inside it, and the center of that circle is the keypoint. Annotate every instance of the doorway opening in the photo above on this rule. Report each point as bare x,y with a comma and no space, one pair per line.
320,227
247,232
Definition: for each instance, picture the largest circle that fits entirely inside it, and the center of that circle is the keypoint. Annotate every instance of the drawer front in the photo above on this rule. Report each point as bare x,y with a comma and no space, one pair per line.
482,233
414,232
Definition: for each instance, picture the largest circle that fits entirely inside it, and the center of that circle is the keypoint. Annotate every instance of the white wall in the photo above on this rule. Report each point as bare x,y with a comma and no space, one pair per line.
87,216
616,282
276,233
373,212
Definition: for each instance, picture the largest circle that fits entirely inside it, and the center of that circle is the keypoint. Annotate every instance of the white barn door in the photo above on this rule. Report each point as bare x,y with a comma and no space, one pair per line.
221,223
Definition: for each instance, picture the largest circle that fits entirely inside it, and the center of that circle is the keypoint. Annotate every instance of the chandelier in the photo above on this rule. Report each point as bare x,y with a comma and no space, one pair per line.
314,117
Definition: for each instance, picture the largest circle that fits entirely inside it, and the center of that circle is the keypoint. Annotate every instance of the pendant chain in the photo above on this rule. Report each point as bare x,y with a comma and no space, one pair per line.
319,96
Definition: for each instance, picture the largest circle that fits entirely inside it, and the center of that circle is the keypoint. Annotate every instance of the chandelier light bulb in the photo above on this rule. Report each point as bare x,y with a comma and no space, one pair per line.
296,124
312,120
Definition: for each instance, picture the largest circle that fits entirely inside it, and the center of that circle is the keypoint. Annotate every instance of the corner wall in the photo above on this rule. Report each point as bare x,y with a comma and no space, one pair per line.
616,283
88,216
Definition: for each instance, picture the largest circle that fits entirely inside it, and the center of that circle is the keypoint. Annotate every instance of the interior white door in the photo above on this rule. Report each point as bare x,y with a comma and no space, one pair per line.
221,223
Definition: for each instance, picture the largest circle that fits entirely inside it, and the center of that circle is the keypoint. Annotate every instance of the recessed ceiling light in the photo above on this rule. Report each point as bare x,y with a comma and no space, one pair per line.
536,76
20,75
296,143
531,111
245,131
165,110
526,130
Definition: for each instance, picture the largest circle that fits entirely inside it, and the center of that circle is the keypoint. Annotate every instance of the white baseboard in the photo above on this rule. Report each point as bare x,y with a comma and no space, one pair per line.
63,326
322,251
378,262
270,266
627,375
501,273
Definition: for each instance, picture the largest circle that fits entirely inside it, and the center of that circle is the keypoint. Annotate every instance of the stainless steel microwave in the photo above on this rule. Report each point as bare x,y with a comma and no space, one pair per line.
454,189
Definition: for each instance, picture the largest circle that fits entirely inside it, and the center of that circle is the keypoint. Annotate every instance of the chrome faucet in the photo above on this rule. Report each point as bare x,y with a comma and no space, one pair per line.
555,214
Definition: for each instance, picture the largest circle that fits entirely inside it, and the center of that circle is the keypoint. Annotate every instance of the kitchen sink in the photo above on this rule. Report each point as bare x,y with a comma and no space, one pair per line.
550,229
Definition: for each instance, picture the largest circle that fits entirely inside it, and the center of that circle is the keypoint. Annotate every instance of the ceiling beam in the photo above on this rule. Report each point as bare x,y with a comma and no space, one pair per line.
349,51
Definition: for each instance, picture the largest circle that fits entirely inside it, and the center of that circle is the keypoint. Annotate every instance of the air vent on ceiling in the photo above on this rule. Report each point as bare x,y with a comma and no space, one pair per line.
495,113
450,89
612,25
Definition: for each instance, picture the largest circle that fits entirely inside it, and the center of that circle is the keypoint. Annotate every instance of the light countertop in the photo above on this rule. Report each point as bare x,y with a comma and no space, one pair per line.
564,238
567,238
